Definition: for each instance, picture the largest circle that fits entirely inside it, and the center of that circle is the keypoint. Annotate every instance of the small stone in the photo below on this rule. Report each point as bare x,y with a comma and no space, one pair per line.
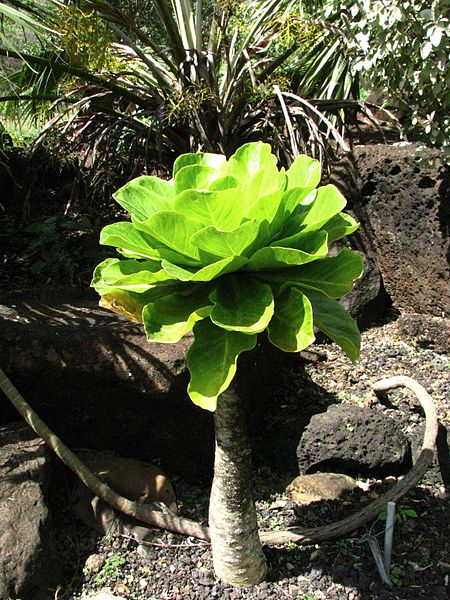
121,589
94,562
320,486
143,583
263,586
144,551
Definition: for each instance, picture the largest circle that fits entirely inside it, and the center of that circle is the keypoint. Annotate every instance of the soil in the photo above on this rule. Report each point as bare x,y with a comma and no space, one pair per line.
175,567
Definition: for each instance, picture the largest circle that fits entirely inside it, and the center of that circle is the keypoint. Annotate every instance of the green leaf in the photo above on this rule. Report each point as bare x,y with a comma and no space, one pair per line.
328,202
335,322
255,167
129,304
224,183
339,226
222,209
170,318
313,242
264,183
288,203
291,327
266,207
208,273
145,195
298,196
126,237
325,204
242,304
172,230
132,275
333,276
250,159
205,159
303,173
226,243
195,177
274,257
212,361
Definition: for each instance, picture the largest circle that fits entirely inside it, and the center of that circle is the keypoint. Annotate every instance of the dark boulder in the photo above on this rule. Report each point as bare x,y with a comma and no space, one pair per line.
353,440
400,195
368,301
28,565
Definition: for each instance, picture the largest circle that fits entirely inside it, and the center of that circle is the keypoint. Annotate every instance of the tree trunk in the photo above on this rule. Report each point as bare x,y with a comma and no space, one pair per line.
237,553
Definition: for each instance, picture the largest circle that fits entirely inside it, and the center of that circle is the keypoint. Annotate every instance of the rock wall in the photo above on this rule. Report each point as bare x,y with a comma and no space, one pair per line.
27,563
400,194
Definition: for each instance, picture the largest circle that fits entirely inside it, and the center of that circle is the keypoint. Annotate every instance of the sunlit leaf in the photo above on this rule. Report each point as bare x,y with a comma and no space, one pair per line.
195,177
132,275
145,195
273,258
125,236
226,243
208,273
221,209
303,173
214,161
173,230
339,226
255,167
212,361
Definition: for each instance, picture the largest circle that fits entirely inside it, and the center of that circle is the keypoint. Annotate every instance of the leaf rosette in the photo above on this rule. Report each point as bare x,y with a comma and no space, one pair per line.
229,249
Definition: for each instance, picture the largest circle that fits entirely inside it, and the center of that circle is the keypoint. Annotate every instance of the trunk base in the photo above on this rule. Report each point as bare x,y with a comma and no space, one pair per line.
237,553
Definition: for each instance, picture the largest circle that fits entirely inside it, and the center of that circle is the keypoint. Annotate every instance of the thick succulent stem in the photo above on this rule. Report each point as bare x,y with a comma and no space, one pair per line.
237,554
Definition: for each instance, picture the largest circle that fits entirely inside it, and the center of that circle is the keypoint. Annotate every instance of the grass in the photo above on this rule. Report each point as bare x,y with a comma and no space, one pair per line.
22,132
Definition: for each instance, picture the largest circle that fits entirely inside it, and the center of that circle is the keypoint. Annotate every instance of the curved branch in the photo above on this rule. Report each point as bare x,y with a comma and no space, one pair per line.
142,512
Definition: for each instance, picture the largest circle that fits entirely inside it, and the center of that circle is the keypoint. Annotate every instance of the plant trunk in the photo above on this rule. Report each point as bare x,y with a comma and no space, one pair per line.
237,553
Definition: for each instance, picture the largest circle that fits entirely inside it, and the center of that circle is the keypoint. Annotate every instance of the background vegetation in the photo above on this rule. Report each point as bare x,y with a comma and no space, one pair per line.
105,90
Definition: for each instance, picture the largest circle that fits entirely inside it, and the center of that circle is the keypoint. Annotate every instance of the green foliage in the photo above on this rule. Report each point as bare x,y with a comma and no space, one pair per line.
111,568
397,574
401,49
402,514
204,82
231,248
55,245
